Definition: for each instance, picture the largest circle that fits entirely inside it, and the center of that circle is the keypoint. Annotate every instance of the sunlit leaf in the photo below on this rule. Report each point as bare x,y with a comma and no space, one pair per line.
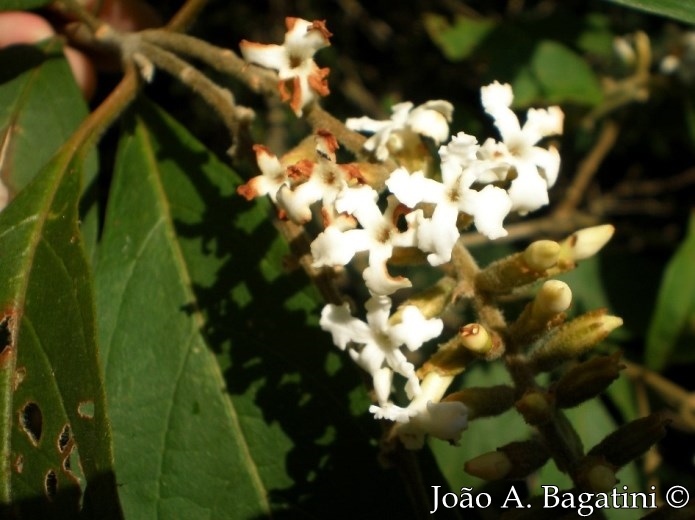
188,269
54,433
681,10
674,314
40,107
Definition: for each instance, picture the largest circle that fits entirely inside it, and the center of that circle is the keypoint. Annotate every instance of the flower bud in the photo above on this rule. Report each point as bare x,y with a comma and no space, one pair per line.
543,313
586,380
519,269
541,255
475,338
535,407
514,461
601,478
494,465
586,242
631,440
573,339
484,401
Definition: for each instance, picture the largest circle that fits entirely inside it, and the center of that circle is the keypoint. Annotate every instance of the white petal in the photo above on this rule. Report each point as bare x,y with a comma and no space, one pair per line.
542,123
438,234
337,320
370,358
529,191
390,412
446,420
360,202
413,188
412,387
382,379
497,99
415,329
492,206
548,161
270,56
334,247
377,277
378,311
432,120
366,124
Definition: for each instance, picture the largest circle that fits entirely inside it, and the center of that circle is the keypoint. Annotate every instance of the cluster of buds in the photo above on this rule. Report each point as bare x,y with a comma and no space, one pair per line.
424,209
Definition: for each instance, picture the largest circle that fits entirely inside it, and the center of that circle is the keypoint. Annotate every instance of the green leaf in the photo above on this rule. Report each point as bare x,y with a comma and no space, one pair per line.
681,10
40,107
54,433
563,76
458,40
187,268
673,321
15,5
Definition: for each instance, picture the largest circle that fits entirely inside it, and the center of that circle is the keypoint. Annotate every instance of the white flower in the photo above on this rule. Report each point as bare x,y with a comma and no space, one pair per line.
445,421
431,119
536,168
273,176
381,341
379,235
318,180
461,168
294,61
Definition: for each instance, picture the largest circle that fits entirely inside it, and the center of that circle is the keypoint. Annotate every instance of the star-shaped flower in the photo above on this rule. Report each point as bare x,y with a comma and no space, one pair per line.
381,341
431,119
461,168
273,176
536,168
379,235
294,61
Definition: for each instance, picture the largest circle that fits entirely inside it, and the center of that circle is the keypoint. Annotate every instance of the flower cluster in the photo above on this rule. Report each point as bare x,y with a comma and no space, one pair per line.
479,183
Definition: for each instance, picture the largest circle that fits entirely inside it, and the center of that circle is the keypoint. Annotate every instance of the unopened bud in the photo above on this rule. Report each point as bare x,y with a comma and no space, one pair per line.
595,474
543,313
475,338
573,339
554,297
484,401
631,440
489,466
519,269
514,461
586,380
586,242
535,407
542,254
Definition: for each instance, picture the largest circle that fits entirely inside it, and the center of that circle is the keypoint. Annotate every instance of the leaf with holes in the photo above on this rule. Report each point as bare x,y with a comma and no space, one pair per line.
56,458
188,269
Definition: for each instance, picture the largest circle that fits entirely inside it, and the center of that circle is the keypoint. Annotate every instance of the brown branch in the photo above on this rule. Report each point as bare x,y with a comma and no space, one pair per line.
587,169
186,15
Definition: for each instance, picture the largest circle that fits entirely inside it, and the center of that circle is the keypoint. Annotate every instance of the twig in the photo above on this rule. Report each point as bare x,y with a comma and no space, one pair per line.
588,168
185,16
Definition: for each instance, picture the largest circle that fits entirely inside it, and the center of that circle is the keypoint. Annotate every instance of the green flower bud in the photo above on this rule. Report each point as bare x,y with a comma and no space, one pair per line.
543,313
519,269
514,461
586,380
535,407
573,339
631,440
484,402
